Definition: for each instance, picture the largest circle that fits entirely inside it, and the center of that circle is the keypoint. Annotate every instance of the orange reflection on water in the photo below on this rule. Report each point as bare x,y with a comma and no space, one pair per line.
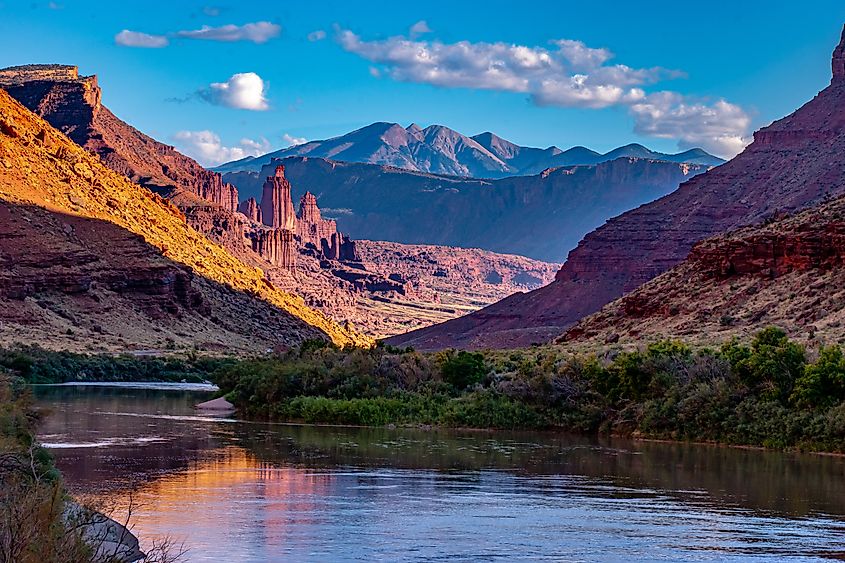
204,496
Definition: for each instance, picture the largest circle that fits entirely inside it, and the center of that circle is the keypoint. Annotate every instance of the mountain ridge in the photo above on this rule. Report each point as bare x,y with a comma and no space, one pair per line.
440,150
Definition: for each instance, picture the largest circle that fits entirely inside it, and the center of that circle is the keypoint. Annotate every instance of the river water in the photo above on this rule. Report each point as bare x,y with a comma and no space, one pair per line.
247,492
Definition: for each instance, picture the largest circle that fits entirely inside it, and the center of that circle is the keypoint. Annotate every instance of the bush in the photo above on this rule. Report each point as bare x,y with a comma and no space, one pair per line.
463,369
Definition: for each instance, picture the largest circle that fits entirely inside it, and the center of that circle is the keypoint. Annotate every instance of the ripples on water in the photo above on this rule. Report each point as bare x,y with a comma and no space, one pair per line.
235,491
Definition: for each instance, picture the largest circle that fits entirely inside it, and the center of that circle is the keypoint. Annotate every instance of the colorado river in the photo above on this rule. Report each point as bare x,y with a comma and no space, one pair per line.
249,492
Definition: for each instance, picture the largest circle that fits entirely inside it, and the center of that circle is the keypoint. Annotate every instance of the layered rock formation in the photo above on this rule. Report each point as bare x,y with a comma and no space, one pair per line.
276,203
91,259
73,104
252,210
792,164
542,216
789,273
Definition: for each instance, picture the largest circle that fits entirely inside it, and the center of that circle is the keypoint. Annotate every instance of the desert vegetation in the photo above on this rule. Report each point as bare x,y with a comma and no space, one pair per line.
37,365
770,392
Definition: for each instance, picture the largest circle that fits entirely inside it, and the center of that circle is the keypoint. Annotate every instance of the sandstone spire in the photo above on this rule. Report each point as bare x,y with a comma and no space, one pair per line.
251,209
839,59
276,204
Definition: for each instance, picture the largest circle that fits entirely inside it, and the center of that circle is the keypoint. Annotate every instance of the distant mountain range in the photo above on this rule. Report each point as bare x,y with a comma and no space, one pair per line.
440,150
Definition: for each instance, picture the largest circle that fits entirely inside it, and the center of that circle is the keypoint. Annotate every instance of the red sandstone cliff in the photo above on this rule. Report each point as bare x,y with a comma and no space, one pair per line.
789,273
73,104
792,164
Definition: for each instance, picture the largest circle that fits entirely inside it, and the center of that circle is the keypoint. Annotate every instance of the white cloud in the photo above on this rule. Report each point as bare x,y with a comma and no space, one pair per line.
212,11
129,38
207,148
375,72
318,35
258,32
244,90
566,74
419,28
292,141
720,127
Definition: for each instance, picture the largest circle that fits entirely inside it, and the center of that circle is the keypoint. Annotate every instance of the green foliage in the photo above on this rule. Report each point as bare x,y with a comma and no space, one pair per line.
462,369
36,365
762,393
823,382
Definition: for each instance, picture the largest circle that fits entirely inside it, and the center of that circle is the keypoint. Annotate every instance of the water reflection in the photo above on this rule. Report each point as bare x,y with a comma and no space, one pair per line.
262,492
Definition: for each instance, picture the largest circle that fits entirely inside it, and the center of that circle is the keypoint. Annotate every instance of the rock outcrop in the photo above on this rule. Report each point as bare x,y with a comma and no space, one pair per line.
792,164
276,203
277,246
251,209
542,216
789,273
89,260
73,104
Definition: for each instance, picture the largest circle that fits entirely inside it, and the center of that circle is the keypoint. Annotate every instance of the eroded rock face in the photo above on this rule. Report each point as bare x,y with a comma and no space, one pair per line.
277,246
72,104
251,209
276,204
791,165
789,273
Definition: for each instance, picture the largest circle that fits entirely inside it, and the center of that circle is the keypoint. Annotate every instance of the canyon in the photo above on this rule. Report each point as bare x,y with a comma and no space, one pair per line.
298,251
94,262
793,164
540,216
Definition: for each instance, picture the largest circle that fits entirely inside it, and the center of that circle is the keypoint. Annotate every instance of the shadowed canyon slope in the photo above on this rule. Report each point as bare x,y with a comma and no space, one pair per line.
789,273
792,164
299,252
90,256
539,216
440,150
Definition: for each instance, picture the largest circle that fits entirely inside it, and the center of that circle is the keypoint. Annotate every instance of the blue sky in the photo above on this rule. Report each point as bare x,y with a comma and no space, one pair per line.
695,73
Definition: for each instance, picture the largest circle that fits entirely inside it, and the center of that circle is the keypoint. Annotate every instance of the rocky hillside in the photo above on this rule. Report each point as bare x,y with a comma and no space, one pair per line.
792,164
73,104
441,282
789,273
540,216
89,257
440,150
300,252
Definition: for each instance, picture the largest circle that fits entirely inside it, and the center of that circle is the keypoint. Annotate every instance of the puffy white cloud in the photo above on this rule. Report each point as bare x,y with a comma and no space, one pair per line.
568,73
719,127
129,38
244,90
317,35
419,28
258,32
207,148
292,141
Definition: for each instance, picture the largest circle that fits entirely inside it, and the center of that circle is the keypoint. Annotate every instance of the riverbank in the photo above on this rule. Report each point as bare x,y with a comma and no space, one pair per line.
37,365
772,393
39,522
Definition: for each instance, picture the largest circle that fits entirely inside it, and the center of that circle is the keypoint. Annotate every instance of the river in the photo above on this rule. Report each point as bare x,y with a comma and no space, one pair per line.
238,491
